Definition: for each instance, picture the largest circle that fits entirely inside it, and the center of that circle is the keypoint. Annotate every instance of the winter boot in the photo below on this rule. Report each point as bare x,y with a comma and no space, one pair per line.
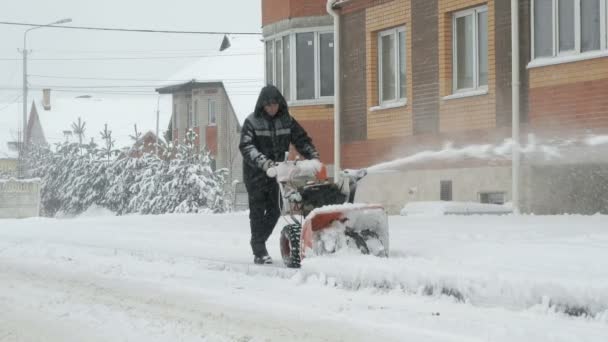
262,259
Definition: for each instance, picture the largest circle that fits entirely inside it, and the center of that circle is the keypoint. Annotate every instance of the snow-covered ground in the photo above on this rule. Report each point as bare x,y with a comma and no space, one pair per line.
191,278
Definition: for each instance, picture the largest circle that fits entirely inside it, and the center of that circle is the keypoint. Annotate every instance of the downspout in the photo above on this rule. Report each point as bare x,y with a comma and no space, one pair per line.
515,104
334,14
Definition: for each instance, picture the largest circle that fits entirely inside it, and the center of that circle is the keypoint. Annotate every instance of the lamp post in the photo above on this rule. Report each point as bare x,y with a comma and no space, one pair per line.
24,51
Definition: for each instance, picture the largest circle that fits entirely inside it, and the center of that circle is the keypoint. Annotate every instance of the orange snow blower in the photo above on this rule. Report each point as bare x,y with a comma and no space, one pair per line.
323,217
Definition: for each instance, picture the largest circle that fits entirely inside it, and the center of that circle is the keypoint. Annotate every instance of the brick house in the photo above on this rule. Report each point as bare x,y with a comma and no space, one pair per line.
416,74
221,92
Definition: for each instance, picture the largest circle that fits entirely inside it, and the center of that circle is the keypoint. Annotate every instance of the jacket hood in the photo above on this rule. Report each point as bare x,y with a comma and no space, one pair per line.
269,94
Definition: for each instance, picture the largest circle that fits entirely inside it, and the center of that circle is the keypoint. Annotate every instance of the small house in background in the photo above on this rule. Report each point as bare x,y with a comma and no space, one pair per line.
146,144
213,99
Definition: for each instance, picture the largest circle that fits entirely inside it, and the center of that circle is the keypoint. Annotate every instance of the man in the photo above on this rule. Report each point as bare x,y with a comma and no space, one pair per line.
265,139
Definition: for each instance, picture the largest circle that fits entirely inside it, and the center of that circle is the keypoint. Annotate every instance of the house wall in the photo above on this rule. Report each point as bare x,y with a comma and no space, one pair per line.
319,124
570,95
424,185
221,138
276,10
473,112
8,166
386,123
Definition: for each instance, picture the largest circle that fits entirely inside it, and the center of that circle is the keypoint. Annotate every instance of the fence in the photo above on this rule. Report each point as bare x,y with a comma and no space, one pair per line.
19,198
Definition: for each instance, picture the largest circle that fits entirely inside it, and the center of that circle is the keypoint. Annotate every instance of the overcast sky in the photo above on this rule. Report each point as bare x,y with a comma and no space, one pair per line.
189,15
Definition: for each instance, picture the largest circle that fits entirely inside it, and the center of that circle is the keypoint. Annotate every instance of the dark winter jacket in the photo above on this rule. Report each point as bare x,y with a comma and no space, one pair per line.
266,138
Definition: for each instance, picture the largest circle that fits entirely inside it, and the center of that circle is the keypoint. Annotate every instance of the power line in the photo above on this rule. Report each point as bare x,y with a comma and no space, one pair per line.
131,58
226,80
11,103
130,30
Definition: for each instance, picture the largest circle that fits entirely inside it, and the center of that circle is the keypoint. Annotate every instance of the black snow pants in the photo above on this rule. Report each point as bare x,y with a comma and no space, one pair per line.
264,213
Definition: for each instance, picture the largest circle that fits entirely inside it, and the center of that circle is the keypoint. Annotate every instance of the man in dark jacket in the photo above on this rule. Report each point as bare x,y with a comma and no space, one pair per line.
265,138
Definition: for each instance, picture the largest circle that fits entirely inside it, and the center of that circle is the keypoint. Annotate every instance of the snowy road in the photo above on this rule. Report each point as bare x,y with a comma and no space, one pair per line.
190,278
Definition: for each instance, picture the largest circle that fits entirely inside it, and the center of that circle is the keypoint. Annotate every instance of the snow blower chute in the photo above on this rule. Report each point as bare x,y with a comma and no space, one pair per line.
323,217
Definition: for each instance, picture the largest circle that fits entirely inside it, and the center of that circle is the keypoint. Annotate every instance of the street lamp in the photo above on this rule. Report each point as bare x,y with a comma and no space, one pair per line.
62,21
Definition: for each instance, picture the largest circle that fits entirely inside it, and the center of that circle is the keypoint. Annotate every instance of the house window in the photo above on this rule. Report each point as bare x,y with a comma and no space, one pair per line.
195,114
311,74
286,72
391,65
305,66
470,49
445,190
278,71
568,27
326,64
174,115
211,109
492,197
189,111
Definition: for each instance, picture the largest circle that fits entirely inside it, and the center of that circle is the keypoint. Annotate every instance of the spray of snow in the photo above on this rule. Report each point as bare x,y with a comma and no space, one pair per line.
596,140
485,151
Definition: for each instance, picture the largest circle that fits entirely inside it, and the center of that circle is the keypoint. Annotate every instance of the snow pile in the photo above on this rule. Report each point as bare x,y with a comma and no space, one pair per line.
438,208
522,263
597,140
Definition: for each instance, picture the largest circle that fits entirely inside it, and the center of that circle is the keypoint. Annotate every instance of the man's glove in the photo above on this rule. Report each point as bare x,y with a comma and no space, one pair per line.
268,164
271,168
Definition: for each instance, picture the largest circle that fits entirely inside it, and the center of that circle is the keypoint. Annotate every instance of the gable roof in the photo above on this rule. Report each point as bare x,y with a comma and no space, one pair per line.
35,133
239,68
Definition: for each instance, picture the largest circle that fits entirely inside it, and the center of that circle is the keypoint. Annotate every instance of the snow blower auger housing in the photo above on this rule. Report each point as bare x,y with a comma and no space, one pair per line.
323,217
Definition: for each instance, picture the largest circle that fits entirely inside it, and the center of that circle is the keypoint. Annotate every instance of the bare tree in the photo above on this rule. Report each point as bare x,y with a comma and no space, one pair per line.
79,128
106,135
136,135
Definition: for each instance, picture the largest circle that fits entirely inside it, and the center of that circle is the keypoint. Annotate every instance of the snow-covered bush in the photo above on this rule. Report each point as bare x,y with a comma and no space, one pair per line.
75,177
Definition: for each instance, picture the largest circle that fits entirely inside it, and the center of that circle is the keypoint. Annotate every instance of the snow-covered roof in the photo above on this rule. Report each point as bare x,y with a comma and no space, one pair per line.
240,68
120,113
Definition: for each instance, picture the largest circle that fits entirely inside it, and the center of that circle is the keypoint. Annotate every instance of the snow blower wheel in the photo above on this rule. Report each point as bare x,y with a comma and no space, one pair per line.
290,245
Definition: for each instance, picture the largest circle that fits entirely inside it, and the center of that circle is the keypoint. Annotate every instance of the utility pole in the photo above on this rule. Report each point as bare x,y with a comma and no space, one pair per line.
157,118
25,52
24,95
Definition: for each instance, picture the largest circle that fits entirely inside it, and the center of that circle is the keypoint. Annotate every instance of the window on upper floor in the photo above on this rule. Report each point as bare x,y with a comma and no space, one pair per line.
174,115
470,49
189,111
391,66
568,27
302,61
212,112
195,114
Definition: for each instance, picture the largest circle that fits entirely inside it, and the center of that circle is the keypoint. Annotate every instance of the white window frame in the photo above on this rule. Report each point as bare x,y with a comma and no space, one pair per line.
398,99
558,57
293,91
209,107
476,87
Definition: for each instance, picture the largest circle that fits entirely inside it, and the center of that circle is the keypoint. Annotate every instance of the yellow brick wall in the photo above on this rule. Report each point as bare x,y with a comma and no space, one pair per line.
476,112
566,73
8,165
316,112
393,122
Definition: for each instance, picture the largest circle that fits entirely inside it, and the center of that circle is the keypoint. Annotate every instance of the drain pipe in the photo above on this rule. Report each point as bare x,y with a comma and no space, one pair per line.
515,104
334,14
